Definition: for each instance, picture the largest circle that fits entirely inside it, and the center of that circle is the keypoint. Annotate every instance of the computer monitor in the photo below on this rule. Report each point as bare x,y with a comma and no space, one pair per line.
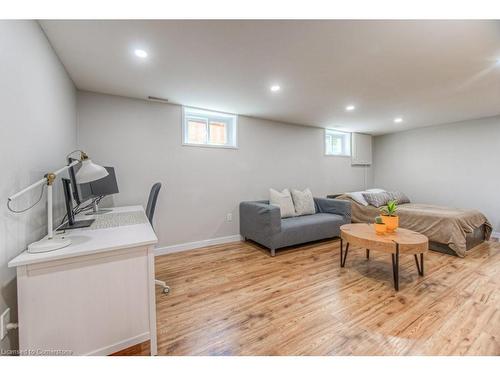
83,192
102,187
78,196
71,223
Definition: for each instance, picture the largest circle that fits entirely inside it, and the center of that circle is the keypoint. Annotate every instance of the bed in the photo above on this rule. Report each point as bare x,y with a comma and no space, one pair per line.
450,230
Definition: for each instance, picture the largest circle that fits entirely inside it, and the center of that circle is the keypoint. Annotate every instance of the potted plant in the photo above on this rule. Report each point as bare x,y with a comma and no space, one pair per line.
380,226
389,216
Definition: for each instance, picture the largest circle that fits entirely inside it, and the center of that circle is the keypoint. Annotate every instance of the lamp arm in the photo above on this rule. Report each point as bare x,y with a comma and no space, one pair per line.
66,167
49,180
45,180
32,186
92,172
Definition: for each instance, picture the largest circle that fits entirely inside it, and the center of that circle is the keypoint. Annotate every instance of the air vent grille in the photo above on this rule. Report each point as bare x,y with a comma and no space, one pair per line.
157,99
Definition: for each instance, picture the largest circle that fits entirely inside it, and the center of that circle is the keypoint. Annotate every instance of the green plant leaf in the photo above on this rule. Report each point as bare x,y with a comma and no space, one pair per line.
390,209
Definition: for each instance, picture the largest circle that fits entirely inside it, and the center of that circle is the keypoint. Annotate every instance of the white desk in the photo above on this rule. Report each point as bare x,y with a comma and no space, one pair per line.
94,297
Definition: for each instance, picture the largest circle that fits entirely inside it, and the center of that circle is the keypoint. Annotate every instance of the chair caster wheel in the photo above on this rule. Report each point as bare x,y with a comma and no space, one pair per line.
166,290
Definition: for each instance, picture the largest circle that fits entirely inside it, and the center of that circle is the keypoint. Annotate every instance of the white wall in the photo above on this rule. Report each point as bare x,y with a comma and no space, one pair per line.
142,140
38,129
455,165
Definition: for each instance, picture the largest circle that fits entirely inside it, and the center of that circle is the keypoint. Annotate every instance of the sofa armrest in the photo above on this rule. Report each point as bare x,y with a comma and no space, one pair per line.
259,219
334,206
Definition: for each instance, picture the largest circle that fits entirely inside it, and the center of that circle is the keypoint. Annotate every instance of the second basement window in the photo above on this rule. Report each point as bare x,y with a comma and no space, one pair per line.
207,128
337,143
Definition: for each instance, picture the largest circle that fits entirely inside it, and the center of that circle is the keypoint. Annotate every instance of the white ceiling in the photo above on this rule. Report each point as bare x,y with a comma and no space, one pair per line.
428,72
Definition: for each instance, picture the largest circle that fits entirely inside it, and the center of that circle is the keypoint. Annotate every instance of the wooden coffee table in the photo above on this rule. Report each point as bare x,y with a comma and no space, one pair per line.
402,241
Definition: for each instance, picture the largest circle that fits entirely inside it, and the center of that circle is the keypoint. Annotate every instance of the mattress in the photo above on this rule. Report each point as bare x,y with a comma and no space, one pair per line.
448,229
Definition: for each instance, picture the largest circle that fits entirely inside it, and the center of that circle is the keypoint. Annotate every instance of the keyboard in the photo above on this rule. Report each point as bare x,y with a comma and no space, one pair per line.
119,219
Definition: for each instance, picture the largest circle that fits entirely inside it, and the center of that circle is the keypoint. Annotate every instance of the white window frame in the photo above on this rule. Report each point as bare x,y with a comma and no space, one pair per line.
346,142
231,128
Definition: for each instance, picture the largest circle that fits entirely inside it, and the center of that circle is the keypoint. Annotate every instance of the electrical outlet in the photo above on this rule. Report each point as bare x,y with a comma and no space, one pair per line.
229,217
4,320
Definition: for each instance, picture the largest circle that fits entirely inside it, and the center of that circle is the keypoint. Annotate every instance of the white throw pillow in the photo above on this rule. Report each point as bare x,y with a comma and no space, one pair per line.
303,202
283,200
357,196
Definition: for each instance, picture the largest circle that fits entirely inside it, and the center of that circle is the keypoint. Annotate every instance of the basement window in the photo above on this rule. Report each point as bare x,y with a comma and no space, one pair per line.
337,143
210,129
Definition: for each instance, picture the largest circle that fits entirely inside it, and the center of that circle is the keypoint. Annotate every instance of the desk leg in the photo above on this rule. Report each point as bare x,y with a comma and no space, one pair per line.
395,267
152,301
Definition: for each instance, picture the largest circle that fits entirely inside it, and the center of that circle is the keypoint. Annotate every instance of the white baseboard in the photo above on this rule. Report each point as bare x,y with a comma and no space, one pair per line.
107,350
495,235
196,245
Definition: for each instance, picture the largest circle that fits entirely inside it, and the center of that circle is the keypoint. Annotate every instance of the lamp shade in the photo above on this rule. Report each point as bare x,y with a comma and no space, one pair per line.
90,172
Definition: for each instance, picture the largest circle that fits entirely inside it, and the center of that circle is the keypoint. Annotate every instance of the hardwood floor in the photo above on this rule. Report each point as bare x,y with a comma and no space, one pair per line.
234,299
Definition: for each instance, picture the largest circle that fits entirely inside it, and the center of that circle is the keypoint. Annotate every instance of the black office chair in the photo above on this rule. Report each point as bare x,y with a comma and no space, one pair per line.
150,212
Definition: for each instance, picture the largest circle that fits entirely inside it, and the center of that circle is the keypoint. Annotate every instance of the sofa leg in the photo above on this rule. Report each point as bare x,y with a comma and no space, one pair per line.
273,252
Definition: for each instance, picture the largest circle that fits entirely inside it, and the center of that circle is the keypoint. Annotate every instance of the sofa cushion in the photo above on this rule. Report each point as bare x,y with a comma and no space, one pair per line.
301,229
311,227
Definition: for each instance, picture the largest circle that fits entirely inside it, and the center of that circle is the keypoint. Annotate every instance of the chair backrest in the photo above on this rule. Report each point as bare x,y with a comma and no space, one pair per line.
153,196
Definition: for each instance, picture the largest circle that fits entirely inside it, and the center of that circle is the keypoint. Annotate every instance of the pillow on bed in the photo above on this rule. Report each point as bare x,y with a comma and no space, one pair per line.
357,196
375,190
399,197
377,199
381,199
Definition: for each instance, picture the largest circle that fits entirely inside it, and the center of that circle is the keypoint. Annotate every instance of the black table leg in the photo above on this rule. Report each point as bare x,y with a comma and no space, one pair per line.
343,255
395,267
367,253
341,250
420,265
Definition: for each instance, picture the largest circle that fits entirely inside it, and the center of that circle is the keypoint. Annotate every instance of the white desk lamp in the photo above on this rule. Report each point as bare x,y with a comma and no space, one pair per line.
88,172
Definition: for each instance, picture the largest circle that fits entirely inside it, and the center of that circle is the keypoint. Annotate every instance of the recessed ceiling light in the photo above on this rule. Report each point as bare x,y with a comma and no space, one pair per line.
141,53
397,120
350,108
275,88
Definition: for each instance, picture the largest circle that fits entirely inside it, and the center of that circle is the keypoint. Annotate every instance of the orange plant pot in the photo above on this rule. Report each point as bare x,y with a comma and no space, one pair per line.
392,222
380,228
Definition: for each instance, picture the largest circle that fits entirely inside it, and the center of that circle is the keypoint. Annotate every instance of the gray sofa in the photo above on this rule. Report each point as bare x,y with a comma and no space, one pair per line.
262,223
